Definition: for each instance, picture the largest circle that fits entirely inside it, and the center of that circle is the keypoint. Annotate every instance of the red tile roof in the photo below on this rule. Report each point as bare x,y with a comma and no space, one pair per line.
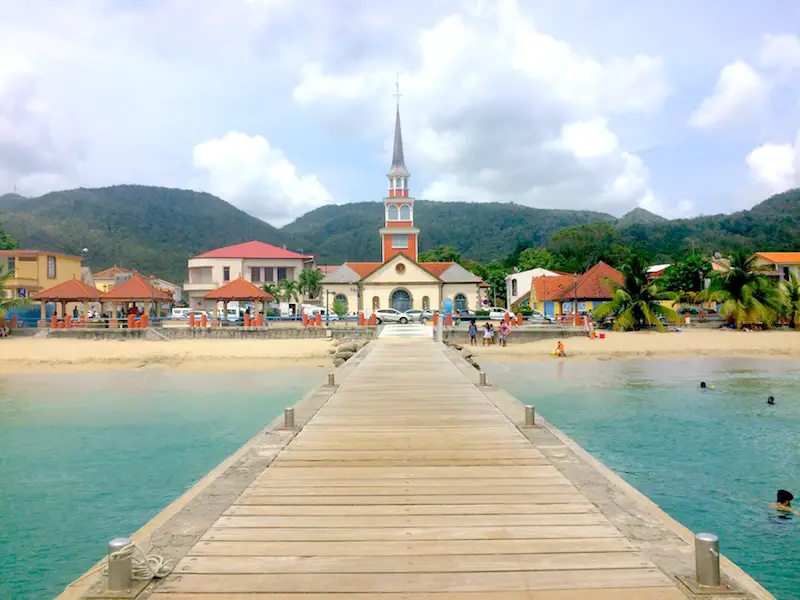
363,268
327,269
239,289
436,268
254,249
781,257
71,290
135,288
111,272
589,286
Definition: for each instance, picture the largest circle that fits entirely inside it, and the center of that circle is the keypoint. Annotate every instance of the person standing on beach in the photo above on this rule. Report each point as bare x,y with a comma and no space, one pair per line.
504,331
487,335
473,334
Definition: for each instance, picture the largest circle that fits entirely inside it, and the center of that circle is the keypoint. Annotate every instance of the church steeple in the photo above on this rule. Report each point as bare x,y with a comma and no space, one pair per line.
398,173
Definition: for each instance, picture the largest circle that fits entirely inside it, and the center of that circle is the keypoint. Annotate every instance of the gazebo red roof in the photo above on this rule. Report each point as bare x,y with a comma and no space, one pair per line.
135,288
72,290
238,289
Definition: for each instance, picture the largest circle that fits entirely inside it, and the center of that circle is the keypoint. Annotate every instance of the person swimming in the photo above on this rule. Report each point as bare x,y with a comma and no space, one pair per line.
703,385
771,400
784,502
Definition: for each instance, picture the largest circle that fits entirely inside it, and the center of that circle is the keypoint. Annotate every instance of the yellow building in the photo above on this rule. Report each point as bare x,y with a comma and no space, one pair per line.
782,263
36,270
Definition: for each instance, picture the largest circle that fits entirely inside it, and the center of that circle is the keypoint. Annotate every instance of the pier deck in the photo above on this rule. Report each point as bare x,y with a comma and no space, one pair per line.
407,484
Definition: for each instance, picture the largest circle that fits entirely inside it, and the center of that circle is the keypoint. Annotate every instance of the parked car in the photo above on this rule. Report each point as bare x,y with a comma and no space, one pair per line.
498,314
460,316
540,318
390,315
180,313
421,316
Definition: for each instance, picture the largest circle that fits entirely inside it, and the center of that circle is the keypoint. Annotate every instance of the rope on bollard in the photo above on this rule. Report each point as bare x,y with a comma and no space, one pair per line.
145,566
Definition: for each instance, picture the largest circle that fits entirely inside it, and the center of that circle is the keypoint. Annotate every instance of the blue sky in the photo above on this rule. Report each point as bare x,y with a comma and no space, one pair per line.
280,106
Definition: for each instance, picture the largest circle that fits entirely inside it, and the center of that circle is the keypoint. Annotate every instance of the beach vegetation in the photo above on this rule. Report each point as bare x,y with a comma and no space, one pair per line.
686,276
7,241
790,291
536,258
12,302
272,290
744,293
288,290
310,282
339,308
637,302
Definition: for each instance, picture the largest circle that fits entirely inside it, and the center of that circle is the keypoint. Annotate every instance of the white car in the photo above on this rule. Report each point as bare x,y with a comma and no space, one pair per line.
390,315
499,314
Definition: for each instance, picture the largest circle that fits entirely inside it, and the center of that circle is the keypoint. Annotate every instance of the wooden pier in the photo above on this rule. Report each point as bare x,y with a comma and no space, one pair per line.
410,483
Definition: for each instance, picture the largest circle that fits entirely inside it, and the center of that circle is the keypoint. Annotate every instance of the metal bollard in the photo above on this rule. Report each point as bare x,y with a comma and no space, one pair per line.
482,378
530,416
331,379
706,559
120,571
288,418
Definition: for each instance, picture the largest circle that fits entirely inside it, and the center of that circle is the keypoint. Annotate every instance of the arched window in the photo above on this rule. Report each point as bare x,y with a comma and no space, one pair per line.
401,300
405,212
397,184
376,303
513,287
342,299
426,303
405,184
461,302
393,212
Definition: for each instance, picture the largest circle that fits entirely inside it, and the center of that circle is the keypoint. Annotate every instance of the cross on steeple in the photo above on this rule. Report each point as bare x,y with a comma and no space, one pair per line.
397,93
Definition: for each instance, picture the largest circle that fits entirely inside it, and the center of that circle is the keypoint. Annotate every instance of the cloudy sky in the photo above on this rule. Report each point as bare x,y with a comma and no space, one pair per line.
280,106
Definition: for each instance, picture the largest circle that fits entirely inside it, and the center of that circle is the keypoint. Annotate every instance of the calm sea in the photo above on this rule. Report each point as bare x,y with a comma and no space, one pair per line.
91,456
711,459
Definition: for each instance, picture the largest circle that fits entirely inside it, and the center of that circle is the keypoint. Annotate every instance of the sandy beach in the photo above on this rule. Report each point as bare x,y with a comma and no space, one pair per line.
25,355
649,345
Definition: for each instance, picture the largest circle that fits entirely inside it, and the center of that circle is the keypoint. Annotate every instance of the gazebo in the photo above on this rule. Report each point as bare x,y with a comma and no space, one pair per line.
72,290
135,290
239,290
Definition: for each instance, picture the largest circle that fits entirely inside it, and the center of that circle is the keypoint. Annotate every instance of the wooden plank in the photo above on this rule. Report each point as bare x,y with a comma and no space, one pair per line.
452,482
414,548
465,495
298,474
291,453
256,497
652,593
411,533
413,462
241,509
347,583
413,521
464,563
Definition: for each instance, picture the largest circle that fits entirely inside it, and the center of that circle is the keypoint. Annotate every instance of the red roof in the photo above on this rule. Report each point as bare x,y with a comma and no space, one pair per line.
252,249
363,268
135,288
111,272
327,269
781,257
436,268
589,286
73,289
238,289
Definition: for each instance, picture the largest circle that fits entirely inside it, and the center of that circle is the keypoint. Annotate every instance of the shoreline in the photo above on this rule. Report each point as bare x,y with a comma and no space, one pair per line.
781,345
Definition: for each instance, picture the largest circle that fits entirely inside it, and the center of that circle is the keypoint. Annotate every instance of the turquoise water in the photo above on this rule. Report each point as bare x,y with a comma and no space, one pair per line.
711,459
88,457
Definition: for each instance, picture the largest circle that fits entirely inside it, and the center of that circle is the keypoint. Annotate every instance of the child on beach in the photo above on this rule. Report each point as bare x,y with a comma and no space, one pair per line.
504,331
488,334
559,351
473,334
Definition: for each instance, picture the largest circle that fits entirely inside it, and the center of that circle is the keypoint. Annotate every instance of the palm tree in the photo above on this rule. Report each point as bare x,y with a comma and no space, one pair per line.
636,301
289,290
791,300
272,290
745,293
310,282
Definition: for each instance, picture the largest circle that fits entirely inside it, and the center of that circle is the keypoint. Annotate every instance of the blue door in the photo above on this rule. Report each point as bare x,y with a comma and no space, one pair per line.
550,309
401,300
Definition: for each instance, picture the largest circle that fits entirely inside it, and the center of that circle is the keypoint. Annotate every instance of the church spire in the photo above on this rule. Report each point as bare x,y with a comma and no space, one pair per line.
398,173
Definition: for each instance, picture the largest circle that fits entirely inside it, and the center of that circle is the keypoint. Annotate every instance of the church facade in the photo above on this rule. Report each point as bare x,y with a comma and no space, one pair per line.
400,281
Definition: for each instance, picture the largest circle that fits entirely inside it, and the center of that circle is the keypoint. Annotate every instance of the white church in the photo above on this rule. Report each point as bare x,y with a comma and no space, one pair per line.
400,281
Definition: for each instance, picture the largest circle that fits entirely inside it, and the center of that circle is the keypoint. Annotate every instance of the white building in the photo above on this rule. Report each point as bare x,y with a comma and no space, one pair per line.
256,262
518,285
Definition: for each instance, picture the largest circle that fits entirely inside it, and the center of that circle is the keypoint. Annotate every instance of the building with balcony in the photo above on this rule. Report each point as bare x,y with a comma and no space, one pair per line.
779,264
36,270
108,279
256,262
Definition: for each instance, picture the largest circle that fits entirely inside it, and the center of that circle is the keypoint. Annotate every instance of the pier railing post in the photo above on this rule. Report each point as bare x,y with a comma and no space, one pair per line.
706,557
331,379
120,568
530,416
288,418
482,378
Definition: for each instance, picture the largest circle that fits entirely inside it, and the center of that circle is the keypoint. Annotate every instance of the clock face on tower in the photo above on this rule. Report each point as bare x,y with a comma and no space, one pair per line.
400,268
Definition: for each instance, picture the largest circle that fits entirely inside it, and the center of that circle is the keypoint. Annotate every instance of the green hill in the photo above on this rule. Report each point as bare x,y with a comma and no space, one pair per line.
157,229
150,228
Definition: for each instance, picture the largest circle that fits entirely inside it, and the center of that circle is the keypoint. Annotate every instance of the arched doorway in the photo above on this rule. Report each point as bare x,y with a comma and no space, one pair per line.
401,300
461,303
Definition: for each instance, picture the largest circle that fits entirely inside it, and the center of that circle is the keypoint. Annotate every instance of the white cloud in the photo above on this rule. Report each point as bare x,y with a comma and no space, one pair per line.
780,52
775,167
257,178
495,109
740,93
